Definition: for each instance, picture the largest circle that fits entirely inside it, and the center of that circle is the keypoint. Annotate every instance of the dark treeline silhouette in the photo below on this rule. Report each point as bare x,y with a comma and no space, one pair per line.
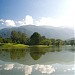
34,39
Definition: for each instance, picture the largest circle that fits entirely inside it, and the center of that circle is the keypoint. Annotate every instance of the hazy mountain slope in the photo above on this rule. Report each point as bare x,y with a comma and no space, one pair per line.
6,32
49,32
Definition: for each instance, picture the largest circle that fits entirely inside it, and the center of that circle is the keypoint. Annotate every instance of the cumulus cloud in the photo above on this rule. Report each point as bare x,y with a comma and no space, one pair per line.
44,21
20,23
56,22
65,21
10,23
27,21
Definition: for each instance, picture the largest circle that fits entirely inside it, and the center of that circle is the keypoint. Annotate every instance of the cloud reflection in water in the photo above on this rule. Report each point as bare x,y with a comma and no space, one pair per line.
27,69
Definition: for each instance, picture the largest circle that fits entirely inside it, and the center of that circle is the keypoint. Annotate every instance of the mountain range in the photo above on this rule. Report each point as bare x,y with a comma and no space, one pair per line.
48,31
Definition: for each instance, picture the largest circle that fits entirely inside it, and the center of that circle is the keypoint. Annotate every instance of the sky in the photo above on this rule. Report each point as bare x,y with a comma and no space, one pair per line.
57,13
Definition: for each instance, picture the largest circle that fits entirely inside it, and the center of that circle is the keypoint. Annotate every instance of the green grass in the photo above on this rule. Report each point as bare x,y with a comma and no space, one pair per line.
12,45
19,46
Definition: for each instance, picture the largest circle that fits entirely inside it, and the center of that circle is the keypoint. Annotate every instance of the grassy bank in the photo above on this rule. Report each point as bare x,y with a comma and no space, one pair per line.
16,46
11,45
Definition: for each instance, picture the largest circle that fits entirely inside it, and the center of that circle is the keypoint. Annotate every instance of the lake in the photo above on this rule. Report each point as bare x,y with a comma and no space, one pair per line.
38,61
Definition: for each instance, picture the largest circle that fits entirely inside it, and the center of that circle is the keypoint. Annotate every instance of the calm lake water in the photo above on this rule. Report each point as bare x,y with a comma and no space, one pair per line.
38,61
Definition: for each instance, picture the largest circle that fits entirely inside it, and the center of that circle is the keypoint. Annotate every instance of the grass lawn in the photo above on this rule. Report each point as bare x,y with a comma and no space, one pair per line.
13,46
19,46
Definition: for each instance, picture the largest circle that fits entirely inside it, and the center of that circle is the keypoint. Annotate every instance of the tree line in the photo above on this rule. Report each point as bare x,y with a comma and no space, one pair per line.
34,39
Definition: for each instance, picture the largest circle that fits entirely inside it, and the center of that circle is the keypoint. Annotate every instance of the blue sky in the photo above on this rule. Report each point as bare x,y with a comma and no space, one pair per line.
39,12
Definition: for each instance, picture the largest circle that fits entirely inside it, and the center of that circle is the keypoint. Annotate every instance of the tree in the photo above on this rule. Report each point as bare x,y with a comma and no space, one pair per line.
42,41
14,36
18,37
24,38
35,38
58,42
1,39
52,41
47,42
7,40
72,42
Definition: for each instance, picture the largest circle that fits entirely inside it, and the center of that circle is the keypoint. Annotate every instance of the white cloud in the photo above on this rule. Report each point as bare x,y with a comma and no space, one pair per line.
27,21
44,21
20,23
1,20
7,22
10,23
56,22
66,19
63,21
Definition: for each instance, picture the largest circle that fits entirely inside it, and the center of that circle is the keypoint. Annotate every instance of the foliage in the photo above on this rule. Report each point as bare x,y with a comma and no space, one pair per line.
69,42
35,39
58,42
7,40
1,39
18,37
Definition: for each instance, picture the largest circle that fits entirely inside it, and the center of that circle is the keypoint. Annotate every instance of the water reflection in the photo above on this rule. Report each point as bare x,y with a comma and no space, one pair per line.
35,55
35,52
40,61
72,49
17,54
13,68
9,68
55,48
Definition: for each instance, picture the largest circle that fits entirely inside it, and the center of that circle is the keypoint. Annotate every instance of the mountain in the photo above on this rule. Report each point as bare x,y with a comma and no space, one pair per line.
2,26
49,32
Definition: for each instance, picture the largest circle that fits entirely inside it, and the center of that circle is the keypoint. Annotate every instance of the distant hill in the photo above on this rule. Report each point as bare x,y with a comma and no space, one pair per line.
70,39
49,32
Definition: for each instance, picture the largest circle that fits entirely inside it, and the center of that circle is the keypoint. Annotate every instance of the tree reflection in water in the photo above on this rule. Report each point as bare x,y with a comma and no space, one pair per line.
35,52
17,53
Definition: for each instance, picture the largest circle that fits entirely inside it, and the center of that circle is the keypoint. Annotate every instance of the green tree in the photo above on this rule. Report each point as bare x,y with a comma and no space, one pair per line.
18,37
7,40
14,36
72,42
58,42
1,39
24,38
42,41
52,41
35,38
47,42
